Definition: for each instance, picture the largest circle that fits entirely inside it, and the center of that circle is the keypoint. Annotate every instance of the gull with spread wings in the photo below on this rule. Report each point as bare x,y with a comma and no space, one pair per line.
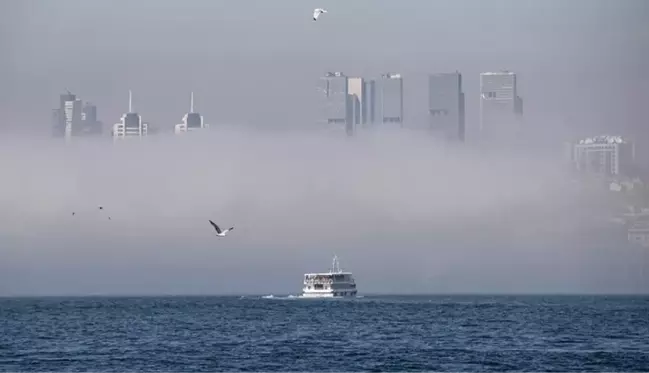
219,232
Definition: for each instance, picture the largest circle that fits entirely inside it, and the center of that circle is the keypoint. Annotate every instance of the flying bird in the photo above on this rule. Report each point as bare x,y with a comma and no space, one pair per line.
101,208
219,232
73,213
317,12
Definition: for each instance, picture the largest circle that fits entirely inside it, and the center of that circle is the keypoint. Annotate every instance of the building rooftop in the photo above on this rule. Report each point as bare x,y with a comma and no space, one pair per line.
603,139
445,74
503,72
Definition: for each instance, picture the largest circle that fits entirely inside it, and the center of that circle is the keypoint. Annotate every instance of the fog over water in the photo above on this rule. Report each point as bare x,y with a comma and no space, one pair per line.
404,212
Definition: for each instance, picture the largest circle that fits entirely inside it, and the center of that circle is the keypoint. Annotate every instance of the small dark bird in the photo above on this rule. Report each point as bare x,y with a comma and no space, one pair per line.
73,213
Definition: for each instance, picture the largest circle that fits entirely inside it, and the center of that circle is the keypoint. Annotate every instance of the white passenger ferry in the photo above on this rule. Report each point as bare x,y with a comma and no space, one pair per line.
334,283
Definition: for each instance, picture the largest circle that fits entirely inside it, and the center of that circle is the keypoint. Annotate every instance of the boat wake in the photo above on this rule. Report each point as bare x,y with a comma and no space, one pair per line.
271,296
291,296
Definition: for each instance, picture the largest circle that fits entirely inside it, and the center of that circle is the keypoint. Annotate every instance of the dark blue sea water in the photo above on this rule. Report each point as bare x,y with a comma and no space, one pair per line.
459,333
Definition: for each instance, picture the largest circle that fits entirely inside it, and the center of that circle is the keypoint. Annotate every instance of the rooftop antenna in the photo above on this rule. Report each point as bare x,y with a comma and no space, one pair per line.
130,101
335,266
191,103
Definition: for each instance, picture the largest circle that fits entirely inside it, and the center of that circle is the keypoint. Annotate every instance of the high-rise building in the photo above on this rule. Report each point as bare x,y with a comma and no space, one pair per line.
446,105
605,155
369,102
130,124
91,125
67,118
58,115
191,120
72,118
356,89
338,103
390,98
89,113
73,123
501,108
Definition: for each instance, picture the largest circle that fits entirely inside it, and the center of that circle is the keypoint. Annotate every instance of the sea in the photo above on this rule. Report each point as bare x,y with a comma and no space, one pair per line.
372,333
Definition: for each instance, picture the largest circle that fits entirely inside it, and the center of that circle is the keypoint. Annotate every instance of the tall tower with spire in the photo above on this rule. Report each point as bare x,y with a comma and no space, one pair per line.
130,124
191,120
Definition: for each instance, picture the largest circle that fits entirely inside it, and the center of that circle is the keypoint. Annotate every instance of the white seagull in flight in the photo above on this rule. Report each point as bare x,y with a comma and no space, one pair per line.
317,12
219,232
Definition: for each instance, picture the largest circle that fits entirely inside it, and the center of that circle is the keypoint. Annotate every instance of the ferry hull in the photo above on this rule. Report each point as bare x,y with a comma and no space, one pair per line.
328,295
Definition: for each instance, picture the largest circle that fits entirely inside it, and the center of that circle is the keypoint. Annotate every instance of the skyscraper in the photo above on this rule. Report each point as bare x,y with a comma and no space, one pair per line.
369,106
446,105
338,104
89,113
58,115
192,120
130,124
501,108
72,118
356,89
67,118
390,98
91,125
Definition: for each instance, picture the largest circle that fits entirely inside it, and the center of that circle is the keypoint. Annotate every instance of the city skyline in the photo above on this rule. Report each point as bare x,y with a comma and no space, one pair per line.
363,104
518,43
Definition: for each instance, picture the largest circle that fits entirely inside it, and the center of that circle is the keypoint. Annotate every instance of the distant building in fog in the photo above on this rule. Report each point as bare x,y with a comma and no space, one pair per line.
369,103
91,125
338,103
130,124
363,101
89,113
66,120
191,121
446,105
501,108
356,89
389,96
72,118
605,155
